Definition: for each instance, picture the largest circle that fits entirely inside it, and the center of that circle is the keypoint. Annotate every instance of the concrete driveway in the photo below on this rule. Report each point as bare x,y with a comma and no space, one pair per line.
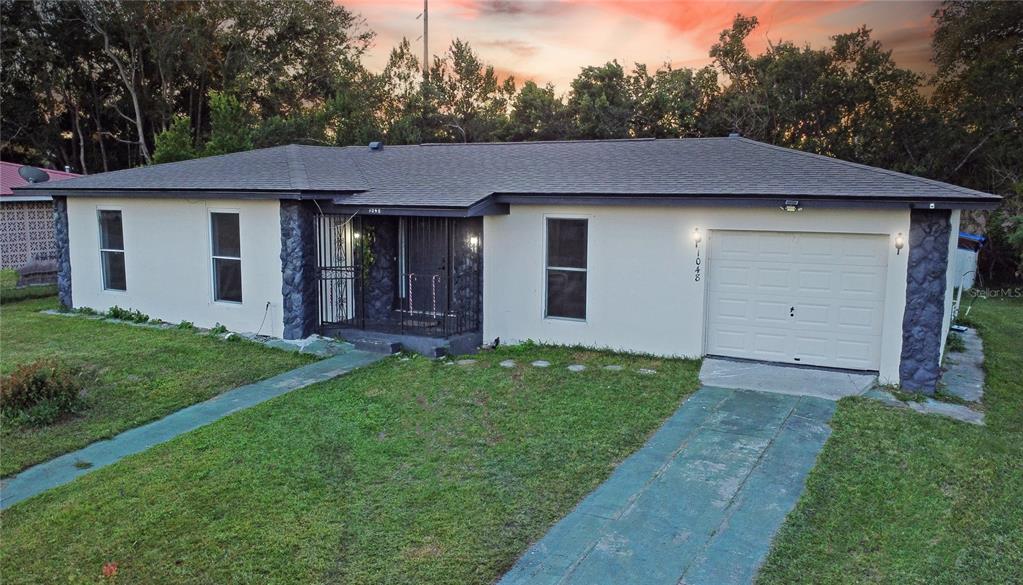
698,504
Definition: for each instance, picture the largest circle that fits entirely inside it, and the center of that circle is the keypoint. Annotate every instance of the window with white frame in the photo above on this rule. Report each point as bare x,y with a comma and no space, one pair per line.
227,257
111,250
566,268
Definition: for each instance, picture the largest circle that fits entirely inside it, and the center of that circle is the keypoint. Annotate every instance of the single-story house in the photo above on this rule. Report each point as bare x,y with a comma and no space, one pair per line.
690,247
26,219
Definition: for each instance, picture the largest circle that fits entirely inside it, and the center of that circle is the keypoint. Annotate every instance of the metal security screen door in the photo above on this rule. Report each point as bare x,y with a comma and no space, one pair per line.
336,246
417,275
806,298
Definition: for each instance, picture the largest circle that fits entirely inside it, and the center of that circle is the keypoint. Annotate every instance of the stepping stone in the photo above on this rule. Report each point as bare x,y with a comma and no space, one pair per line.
541,364
466,362
576,368
646,371
613,368
507,364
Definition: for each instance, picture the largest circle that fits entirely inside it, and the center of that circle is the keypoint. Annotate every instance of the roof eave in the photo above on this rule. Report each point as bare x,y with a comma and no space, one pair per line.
253,194
747,200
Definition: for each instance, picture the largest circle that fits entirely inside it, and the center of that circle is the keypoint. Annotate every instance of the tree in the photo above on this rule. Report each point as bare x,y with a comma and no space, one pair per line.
407,116
537,114
472,103
175,143
601,104
672,103
230,125
979,90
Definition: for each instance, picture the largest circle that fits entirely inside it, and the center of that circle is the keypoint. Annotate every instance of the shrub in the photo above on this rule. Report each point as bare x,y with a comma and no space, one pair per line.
135,315
186,325
218,329
41,392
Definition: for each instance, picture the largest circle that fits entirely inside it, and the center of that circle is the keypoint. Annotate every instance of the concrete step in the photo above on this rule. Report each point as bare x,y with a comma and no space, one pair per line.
375,345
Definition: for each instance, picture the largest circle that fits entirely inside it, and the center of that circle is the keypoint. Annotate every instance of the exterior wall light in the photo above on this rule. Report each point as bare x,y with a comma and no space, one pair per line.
900,243
474,242
697,237
356,235
791,205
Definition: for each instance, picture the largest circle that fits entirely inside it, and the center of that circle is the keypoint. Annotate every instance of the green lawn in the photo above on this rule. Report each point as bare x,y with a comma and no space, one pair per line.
140,374
899,497
403,472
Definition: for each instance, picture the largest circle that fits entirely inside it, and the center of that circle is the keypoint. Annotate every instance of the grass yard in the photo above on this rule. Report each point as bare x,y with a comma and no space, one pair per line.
403,472
899,497
140,375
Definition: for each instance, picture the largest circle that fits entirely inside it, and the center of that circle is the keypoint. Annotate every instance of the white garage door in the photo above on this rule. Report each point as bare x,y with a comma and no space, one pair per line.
815,299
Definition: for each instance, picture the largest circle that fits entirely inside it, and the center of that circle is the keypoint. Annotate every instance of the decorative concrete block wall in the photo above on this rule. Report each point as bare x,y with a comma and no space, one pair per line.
298,266
929,234
63,244
26,232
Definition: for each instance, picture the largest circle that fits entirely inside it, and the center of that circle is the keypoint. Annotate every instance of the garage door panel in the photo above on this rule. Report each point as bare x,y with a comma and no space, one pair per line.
772,279
811,281
834,282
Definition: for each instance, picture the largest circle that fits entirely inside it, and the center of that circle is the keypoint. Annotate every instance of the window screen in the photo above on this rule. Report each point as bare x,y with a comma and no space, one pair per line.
227,261
111,250
566,268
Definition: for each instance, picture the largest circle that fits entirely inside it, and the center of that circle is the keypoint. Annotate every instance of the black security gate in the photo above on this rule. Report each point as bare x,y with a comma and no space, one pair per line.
415,275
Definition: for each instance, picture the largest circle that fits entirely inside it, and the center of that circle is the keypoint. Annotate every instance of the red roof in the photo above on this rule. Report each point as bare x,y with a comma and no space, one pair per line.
9,177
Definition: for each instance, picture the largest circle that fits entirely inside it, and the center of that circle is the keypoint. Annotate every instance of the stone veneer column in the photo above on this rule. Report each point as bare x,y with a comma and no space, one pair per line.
62,239
920,368
298,267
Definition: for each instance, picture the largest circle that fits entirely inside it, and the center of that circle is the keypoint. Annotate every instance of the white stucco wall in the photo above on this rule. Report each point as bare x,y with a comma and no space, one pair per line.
641,295
168,265
951,276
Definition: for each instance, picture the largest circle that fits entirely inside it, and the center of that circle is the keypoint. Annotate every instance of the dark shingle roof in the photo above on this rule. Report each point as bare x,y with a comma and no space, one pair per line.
459,175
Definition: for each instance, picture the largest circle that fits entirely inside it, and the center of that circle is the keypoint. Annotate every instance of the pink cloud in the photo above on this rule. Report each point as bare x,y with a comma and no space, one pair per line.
552,40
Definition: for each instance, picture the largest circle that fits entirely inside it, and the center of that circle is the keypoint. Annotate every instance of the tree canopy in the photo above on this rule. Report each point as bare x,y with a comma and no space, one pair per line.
101,85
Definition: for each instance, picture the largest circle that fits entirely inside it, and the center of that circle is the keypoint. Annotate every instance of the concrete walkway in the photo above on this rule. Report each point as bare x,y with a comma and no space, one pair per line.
785,378
67,467
964,371
698,504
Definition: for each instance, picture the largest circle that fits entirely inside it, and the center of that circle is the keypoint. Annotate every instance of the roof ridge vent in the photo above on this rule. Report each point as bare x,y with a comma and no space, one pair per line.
735,135
376,145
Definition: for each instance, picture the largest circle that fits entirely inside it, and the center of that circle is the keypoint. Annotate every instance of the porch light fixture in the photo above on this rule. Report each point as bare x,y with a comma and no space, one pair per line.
900,243
697,237
791,205
356,235
474,242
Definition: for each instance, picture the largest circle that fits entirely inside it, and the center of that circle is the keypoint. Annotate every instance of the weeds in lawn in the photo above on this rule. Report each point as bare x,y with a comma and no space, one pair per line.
186,325
41,392
955,343
133,315
218,329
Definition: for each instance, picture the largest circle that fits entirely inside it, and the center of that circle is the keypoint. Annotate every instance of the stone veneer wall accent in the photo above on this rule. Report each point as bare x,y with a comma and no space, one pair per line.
380,286
298,267
467,291
920,368
62,239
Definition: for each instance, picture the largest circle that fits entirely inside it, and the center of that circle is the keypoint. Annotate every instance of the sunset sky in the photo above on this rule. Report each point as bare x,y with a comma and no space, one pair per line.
550,40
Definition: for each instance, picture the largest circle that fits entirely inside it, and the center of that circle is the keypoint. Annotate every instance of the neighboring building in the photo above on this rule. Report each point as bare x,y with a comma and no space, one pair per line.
714,246
966,260
26,219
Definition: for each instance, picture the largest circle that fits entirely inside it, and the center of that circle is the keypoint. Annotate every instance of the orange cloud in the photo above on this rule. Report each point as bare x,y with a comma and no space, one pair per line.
551,40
